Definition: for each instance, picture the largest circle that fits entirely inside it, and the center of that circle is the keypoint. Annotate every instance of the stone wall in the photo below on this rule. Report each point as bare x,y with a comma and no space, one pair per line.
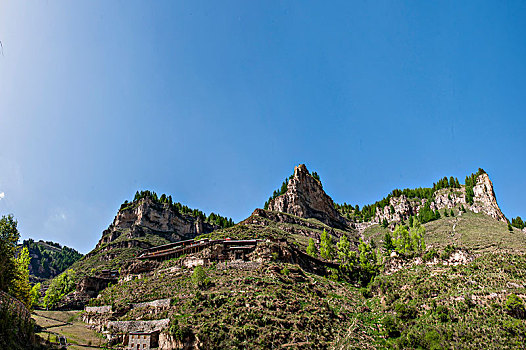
98,309
159,303
135,326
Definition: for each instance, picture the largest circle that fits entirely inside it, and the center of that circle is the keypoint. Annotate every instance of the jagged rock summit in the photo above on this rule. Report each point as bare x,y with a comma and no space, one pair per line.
306,198
148,217
484,201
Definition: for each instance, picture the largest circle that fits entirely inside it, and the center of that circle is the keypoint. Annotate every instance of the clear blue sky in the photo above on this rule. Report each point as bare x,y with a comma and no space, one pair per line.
215,102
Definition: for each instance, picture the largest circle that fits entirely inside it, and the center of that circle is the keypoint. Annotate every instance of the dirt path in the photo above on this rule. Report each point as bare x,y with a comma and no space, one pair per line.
66,323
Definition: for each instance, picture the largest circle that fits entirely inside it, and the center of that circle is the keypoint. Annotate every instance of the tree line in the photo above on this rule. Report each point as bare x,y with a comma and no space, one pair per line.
213,218
518,223
280,191
365,263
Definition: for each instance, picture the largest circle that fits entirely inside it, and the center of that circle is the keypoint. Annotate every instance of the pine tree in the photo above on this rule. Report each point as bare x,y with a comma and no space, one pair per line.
452,213
311,249
343,250
35,295
518,223
21,288
368,260
385,223
9,236
326,246
388,242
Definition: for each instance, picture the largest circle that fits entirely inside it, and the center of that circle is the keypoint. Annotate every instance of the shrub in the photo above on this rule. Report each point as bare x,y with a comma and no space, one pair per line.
405,312
390,326
366,292
442,313
178,332
200,278
446,253
430,255
514,306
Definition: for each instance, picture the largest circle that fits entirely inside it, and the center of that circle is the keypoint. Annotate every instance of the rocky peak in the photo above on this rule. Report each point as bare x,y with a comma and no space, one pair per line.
484,198
145,216
484,201
306,198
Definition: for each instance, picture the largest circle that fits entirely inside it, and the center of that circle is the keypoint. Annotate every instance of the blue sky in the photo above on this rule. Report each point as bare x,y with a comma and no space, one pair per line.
216,102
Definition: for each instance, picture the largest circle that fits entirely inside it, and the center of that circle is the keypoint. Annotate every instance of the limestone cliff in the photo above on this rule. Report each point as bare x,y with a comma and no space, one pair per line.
484,201
146,217
306,198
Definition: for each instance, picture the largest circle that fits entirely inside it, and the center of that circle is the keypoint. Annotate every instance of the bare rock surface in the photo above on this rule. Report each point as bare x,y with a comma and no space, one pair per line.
484,202
306,198
147,217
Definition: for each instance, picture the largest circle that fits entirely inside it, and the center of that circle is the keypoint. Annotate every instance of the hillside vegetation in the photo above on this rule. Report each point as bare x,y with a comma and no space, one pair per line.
475,232
49,259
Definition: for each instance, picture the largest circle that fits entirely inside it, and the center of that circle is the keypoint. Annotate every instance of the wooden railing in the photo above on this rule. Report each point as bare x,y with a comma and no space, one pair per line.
14,305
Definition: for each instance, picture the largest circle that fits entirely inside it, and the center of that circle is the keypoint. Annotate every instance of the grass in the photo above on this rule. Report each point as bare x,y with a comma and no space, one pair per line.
260,309
425,306
455,306
475,232
68,324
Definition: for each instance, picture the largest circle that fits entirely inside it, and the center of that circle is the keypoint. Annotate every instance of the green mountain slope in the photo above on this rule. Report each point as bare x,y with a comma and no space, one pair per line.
49,259
475,232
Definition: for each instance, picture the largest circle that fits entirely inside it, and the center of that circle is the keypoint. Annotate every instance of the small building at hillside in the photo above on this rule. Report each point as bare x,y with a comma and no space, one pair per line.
143,340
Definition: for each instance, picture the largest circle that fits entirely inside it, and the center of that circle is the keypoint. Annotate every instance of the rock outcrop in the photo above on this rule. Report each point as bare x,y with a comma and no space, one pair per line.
148,217
484,201
306,198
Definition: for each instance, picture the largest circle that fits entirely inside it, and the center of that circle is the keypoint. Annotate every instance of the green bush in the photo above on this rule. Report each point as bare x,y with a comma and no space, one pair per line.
391,326
514,306
178,332
442,313
405,312
200,278
430,255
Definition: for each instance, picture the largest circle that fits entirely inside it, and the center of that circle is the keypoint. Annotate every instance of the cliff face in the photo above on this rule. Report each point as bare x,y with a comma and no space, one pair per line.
306,198
147,217
484,201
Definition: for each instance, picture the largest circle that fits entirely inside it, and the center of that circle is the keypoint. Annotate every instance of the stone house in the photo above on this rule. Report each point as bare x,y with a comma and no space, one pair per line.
143,340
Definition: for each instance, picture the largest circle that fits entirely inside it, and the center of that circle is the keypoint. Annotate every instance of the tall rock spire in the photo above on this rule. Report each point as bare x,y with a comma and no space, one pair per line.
484,198
306,198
